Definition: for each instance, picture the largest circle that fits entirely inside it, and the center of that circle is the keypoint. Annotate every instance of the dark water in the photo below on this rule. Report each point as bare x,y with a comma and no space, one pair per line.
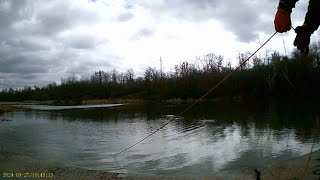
207,139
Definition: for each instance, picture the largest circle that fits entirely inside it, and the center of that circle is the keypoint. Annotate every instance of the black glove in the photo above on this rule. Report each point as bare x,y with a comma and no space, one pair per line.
302,39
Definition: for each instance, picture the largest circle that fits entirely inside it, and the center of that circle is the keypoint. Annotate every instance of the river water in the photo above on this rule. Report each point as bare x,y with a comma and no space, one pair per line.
207,139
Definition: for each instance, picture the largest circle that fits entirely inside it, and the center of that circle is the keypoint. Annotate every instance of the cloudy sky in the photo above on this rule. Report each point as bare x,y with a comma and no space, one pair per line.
44,40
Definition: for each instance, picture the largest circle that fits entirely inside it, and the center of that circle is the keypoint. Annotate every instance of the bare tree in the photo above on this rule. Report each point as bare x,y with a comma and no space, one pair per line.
114,76
257,62
242,57
151,74
129,76
184,69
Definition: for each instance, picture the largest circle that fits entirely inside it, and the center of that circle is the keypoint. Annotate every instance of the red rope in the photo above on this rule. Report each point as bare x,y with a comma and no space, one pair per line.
314,140
307,166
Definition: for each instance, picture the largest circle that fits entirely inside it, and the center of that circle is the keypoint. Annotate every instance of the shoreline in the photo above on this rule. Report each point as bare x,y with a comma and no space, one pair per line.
138,101
13,162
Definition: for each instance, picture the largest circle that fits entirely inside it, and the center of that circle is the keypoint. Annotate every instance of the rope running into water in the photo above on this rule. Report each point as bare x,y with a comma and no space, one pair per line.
307,166
197,100
314,141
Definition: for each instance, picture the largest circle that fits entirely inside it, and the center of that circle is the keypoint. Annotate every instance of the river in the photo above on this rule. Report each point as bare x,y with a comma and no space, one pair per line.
207,139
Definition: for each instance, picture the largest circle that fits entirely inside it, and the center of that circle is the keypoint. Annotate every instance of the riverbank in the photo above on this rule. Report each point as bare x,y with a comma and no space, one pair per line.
174,101
12,164
7,108
290,169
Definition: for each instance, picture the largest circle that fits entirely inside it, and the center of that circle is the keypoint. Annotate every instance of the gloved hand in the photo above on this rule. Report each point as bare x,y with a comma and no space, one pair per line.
282,21
302,39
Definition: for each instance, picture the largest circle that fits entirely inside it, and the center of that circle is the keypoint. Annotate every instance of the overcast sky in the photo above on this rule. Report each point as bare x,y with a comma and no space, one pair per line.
44,40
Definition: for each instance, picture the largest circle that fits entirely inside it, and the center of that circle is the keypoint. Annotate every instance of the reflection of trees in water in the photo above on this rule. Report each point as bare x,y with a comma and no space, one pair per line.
95,114
277,116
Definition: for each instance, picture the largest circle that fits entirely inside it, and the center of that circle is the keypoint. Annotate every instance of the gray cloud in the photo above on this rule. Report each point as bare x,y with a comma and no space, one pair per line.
22,64
32,51
8,80
27,44
81,41
40,40
50,18
9,15
145,32
243,18
125,17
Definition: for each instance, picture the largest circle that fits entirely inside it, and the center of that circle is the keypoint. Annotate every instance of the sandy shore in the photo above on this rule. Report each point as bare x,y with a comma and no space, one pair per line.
12,163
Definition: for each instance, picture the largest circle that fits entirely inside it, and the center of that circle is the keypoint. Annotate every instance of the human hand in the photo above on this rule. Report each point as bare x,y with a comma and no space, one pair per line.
282,21
302,39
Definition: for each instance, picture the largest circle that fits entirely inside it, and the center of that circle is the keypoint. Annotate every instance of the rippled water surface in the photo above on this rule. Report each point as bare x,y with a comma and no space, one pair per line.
207,139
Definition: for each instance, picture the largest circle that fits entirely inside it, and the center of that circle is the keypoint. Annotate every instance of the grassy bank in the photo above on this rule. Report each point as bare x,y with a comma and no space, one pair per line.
6,108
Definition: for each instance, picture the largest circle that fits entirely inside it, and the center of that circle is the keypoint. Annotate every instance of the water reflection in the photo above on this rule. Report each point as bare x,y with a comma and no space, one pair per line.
48,107
207,139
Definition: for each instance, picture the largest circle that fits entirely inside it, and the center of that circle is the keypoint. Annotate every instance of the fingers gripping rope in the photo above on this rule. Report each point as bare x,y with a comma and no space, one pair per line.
196,101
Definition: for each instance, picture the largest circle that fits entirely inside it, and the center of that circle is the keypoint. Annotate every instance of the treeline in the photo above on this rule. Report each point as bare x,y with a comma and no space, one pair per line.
273,75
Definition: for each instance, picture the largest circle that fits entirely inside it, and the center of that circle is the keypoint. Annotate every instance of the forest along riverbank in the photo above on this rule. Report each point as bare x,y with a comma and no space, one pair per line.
271,76
12,164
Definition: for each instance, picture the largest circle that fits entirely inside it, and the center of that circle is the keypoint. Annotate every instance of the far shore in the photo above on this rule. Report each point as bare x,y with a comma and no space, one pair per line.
99,101
7,108
175,101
